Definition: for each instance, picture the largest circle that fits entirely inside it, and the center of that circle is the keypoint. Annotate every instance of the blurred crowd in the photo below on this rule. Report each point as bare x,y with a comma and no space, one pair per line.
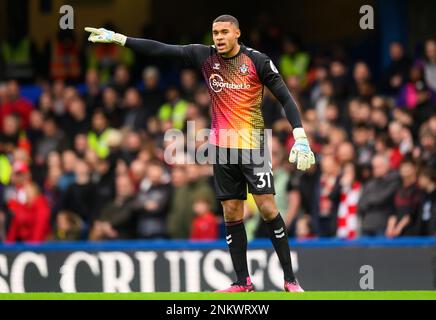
85,161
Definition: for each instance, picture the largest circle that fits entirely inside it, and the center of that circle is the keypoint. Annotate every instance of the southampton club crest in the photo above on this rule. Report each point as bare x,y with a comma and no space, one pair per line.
243,69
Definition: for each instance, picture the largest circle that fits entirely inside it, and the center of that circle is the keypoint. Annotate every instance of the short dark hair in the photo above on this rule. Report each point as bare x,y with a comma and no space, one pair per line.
227,18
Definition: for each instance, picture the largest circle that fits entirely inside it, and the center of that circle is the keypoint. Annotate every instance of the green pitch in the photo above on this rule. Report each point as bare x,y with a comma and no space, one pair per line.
314,295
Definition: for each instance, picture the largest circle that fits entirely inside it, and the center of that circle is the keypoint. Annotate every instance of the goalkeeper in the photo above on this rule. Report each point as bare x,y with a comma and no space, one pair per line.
236,76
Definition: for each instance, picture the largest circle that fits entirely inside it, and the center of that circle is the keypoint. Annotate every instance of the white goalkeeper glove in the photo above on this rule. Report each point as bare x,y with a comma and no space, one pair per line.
102,35
301,152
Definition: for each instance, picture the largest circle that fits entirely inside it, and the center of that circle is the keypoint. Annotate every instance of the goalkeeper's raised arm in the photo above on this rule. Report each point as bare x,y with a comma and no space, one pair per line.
145,46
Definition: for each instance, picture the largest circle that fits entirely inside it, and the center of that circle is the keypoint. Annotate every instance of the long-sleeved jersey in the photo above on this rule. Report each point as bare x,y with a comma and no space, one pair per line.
236,88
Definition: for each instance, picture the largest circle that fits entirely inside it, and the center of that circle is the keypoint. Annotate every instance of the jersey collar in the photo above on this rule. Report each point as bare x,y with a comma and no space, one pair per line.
241,49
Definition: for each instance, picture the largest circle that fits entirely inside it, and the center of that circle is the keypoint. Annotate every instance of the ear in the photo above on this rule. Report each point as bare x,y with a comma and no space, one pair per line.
238,33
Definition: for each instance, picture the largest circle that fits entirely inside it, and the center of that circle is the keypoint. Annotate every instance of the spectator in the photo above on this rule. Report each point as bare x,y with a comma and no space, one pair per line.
79,197
396,74
327,217
64,57
410,96
132,144
93,94
345,153
112,107
5,167
305,186
293,61
340,79
430,64
362,86
53,139
121,80
18,56
189,84
377,204
174,110
34,133
152,203
403,220
21,176
345,197
180,214
76,120
135,115
205,224
15,104
426,151
325,97
304,229
98,135
69,226
427,209
68,176
31,219
153,96
103,177
117,220
13,137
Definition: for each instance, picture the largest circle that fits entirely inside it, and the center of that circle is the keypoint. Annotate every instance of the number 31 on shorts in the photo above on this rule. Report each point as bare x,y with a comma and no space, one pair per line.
262,181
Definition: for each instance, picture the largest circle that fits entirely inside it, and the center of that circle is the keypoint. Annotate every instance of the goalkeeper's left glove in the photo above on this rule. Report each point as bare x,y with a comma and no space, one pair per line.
301,152
102,35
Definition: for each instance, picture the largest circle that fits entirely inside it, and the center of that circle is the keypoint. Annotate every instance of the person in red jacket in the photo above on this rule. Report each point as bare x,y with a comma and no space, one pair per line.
16,104
205,224
31,220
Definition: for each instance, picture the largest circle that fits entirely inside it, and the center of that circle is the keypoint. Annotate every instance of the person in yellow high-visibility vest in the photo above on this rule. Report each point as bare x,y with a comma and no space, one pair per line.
99,135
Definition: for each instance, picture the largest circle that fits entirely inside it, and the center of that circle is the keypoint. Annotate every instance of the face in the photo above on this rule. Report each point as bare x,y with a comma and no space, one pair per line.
99,122
200,207
225,36
345,152
380,166
109,96
395,132
133,141
396,51
68,160
137,170
77,108
10,125
92,78
328,164
132,98
124,186
178,176
430,49
81,169
423,181
154,173
407,170
361,72
36,119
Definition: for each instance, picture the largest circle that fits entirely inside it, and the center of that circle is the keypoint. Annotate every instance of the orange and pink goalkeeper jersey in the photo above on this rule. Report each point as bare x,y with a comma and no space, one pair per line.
235,86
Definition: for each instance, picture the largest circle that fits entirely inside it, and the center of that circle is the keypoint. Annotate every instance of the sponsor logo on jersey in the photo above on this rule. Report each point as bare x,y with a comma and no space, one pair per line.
217,84
216,66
